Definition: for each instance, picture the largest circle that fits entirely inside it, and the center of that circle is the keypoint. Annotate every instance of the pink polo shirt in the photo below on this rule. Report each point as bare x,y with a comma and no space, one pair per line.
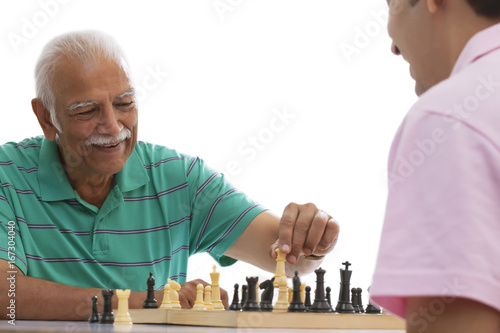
441,235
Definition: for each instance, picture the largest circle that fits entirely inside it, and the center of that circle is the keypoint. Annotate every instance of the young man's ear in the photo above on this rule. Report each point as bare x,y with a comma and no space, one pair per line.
433,5
43,116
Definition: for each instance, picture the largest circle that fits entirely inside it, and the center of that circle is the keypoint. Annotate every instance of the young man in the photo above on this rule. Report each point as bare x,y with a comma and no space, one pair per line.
438,264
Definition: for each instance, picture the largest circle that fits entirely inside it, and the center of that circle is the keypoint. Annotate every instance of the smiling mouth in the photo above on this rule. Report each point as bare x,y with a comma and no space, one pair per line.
109,146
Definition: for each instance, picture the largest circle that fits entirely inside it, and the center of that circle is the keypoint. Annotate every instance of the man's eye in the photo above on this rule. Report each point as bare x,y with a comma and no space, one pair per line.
125,104
85,113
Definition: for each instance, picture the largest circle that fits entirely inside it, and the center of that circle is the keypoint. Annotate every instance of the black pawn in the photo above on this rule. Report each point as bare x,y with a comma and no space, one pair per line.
251,303
266,300
150,302
344,304
329,297
354,298
107,312
94,315
360,301
244,294
371,308
296,305
235,305
320,304
307,302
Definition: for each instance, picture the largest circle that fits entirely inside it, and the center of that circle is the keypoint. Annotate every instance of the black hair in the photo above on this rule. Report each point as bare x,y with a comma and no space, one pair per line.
487,8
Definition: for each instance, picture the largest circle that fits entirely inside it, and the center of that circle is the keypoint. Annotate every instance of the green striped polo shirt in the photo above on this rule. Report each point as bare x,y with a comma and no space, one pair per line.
163,207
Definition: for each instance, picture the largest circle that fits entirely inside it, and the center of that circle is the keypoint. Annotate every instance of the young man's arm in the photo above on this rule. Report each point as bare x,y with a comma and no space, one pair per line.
39,299
433,315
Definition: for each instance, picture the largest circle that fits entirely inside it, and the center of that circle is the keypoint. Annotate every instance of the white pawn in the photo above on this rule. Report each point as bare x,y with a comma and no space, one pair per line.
166,304
199,304
208,298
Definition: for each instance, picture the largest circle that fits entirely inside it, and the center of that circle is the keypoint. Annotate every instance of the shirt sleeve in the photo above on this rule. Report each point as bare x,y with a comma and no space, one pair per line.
442,223
220,213
11,246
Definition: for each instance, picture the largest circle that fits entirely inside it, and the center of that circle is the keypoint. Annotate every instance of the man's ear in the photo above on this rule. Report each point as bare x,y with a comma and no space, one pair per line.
43,116
433,5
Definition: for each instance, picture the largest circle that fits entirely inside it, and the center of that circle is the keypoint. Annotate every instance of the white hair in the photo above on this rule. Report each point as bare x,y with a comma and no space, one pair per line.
82,45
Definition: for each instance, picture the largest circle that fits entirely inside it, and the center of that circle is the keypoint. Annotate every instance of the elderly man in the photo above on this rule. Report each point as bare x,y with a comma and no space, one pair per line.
87,207
439,261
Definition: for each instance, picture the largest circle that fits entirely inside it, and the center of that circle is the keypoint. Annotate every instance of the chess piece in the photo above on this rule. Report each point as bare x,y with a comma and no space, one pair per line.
208,298
235,305
123,316
174,295
307,302
344,304
296,304
165,303
266,302
329,297
354,299
251,303
199,304
360,301
244,294
94,315
107,312
150,302
216,301
282,302
280,267
372,308
320,304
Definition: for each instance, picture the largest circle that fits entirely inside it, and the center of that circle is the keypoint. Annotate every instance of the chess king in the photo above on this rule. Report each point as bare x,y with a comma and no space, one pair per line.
87,207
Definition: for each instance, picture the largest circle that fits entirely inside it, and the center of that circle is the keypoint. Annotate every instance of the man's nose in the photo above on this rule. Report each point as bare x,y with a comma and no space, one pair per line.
110,123
395,49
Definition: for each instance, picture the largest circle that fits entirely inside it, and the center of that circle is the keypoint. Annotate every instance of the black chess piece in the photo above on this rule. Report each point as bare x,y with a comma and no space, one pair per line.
266,300
320,304
235,305
329,297
360,301
371,308
307,302
354,299
108,316
94,315
251,303
244,294
150,302
296,305
344,304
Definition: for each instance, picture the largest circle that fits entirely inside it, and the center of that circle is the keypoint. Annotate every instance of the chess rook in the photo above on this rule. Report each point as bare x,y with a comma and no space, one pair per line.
107,312
251,303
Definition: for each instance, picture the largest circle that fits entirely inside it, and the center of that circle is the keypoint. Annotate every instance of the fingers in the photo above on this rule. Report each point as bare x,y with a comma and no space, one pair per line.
304,229
224,297
187,294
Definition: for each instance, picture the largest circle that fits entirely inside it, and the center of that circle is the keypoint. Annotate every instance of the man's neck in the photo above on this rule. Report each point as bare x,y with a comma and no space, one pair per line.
92,188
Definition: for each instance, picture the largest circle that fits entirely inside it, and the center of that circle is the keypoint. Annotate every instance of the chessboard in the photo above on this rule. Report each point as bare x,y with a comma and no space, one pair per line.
249,319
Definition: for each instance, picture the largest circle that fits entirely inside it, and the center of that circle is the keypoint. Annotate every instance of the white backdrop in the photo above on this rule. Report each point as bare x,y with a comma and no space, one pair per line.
295,100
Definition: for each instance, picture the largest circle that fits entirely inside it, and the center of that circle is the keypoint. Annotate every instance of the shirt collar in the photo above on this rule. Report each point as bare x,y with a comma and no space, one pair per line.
482,43
54,183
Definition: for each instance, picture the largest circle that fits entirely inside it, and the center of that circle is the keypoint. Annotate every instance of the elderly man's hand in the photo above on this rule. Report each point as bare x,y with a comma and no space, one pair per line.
187,294
305,229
